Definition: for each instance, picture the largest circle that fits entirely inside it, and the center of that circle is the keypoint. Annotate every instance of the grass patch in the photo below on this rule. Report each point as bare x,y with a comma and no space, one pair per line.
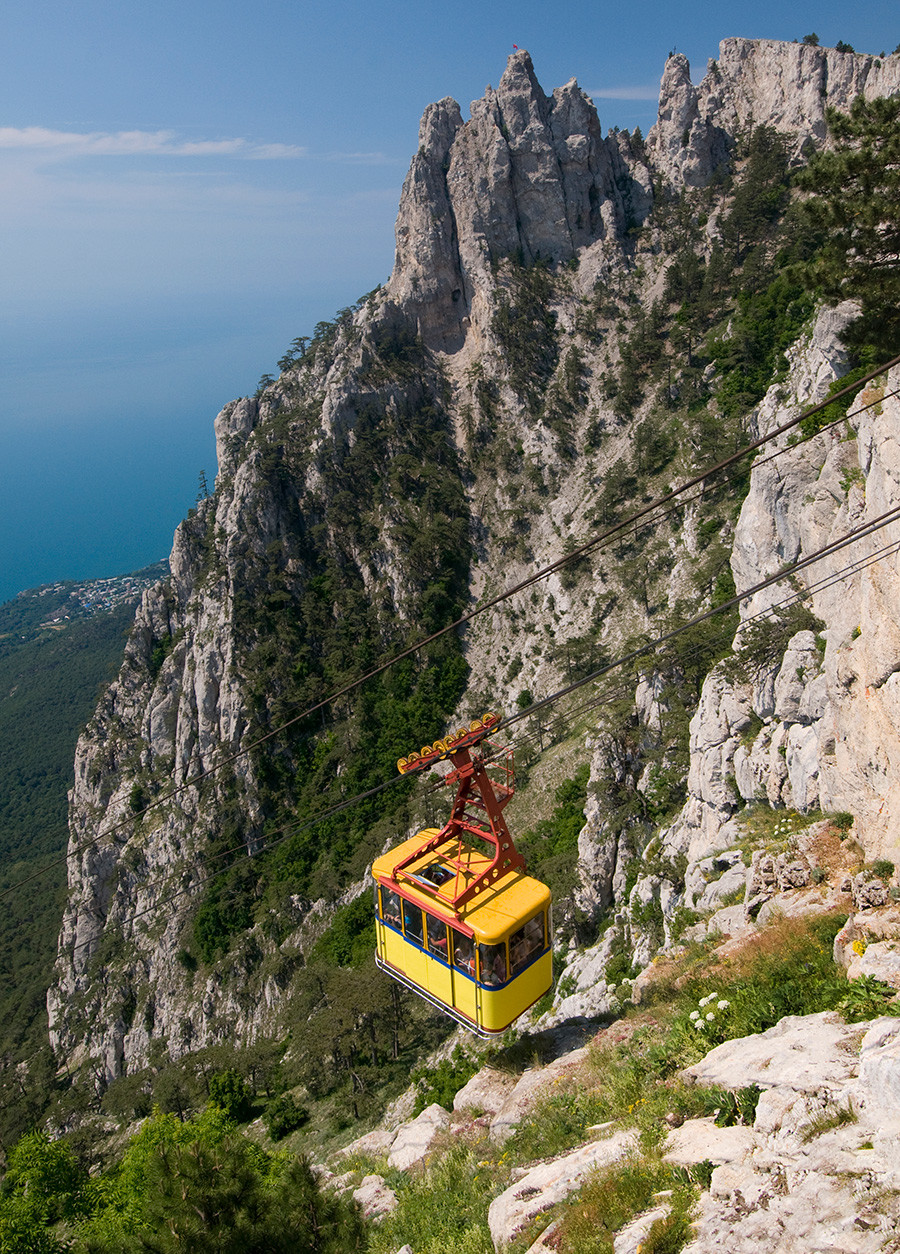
788,969
832,1116
772,830
591,1220
445,1208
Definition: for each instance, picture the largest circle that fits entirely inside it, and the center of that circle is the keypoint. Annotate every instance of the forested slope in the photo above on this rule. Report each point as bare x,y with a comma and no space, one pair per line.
56,656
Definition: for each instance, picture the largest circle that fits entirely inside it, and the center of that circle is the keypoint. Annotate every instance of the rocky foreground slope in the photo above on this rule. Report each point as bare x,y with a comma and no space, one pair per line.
806,1159
460,428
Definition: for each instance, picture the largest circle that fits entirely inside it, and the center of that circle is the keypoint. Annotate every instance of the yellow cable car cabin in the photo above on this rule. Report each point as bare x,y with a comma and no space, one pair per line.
457,918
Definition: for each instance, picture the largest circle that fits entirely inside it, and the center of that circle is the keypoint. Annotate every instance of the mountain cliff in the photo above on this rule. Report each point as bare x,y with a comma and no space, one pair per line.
574,323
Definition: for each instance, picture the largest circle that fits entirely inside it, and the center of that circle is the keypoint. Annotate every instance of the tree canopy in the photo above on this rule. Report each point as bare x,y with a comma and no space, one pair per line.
855,201
192,1187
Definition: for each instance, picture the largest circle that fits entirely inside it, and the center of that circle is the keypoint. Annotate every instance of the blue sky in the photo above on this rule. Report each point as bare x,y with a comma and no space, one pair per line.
188,186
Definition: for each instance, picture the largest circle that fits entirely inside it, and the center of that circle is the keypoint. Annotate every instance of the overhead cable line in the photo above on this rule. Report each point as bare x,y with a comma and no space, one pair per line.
863,531
577,553
858,533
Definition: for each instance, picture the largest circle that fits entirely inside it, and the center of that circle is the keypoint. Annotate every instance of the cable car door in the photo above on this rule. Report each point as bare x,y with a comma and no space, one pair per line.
464,986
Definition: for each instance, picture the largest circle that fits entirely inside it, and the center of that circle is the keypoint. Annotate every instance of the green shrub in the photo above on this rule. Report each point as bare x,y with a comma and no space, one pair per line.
441,1083
350,940
284,1115
837,409
738,1107
866,998
229,1091
526,329
549,847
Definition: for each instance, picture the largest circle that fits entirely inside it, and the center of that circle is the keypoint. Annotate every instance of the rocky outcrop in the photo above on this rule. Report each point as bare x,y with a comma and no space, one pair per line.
528,175
757,82
816,1166
825,712
824,1141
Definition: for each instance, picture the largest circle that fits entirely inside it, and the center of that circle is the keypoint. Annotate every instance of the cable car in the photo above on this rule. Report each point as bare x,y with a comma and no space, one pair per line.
458,920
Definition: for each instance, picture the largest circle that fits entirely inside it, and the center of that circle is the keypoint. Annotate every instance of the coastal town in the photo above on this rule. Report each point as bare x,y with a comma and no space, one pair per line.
96,596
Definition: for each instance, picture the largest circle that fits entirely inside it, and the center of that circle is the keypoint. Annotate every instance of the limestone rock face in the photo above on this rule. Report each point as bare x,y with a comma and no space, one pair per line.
528,175
786,86
827,705
813,727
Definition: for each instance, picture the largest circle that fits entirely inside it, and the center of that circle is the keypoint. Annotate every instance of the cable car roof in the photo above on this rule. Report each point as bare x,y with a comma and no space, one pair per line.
497,909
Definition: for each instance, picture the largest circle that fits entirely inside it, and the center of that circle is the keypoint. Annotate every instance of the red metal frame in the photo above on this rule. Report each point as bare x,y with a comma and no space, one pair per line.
477,811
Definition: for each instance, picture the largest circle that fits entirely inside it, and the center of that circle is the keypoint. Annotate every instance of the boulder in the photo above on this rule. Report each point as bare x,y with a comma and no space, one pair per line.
869,894
549,1183
801,1052
414,1140
375,1198
487,1092
866,927
880,959
730,884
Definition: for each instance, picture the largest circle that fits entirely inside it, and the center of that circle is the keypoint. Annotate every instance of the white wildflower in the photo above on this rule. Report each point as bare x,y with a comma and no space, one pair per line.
723,1004
695,1014
709,1016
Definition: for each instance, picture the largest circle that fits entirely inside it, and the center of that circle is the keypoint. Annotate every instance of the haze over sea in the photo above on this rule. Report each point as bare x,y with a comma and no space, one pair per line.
190,185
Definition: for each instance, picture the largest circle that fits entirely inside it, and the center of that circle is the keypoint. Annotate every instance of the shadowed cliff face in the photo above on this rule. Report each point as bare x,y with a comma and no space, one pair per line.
504,395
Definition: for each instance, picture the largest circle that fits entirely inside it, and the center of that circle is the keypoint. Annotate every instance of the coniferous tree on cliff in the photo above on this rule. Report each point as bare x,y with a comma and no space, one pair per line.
855,201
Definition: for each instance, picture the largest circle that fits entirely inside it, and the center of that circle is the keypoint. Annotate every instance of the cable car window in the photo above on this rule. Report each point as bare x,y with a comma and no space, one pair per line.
436,874
437,936
390,907
412,923
463,952
492,959
527,943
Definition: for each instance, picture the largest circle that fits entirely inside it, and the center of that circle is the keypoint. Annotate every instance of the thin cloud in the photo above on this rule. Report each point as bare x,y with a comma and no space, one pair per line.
650,92
65,144
363,158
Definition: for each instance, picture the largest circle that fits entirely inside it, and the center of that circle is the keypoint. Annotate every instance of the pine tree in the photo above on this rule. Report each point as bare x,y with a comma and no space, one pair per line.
855,201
